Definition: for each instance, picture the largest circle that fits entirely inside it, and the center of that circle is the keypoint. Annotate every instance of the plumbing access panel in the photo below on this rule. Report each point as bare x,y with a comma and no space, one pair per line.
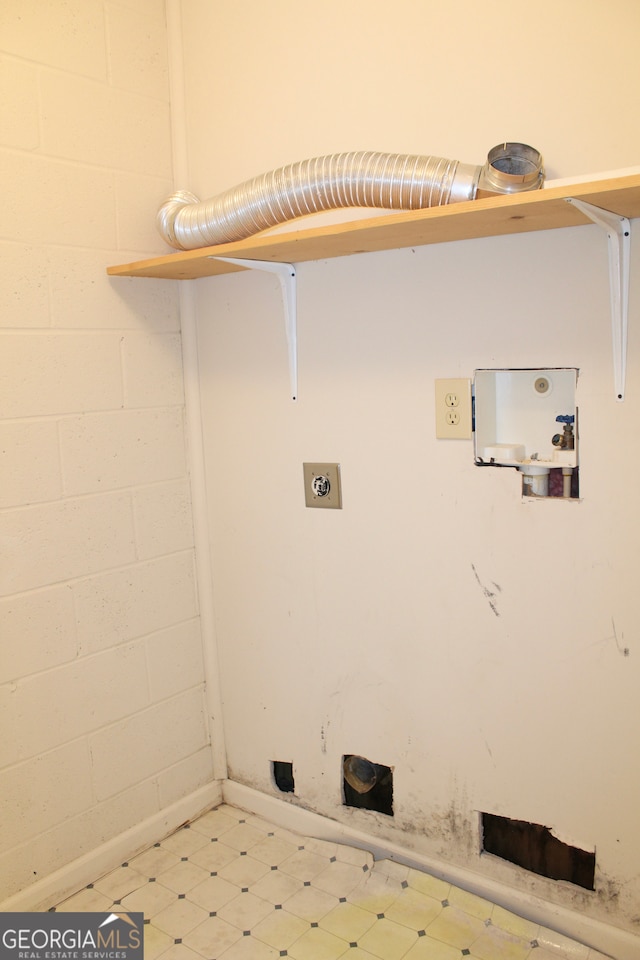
527,419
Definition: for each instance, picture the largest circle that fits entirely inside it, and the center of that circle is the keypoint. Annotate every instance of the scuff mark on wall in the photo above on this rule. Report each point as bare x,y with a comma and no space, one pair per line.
619,640
489,751
489,594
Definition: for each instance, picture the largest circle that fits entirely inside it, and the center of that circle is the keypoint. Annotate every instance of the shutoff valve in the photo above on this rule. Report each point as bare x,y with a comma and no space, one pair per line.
565,440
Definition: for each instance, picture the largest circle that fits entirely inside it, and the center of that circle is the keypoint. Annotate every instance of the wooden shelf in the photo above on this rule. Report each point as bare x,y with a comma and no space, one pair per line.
495,216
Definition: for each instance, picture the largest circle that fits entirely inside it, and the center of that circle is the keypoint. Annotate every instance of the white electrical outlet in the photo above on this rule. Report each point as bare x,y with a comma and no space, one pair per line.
453,409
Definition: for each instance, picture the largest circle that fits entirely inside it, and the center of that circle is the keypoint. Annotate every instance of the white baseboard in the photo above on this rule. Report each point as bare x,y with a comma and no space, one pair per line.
74,876
616,943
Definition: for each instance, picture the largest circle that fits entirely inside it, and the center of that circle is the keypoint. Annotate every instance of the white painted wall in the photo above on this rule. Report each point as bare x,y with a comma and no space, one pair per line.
371,630
101,680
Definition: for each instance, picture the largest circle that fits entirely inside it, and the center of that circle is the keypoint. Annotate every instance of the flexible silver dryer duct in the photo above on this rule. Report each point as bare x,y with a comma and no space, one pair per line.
359,179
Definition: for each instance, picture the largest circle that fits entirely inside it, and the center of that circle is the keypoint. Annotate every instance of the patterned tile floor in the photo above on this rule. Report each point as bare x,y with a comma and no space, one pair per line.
230,886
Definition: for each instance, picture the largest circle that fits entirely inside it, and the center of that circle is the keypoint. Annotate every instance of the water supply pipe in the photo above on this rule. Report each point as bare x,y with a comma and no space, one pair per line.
567,474
193,422
356,179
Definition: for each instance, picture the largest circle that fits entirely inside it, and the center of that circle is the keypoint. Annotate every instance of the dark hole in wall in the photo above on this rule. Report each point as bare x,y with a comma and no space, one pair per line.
534,847
283,775
367,785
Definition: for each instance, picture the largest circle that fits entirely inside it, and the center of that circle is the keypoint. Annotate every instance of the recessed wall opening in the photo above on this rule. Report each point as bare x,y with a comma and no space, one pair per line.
282,772
367,785
527,419
534,847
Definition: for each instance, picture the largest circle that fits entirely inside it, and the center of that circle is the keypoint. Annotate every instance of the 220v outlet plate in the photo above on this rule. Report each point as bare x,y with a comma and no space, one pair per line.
322,485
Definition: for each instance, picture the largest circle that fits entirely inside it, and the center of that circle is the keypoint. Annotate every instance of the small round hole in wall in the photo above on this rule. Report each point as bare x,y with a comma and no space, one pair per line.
283,776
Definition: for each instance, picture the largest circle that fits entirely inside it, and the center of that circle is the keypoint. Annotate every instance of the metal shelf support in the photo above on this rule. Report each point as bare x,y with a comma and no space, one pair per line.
618,231
286,273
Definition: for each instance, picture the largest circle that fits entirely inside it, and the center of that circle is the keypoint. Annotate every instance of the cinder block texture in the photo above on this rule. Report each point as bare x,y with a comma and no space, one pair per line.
101,666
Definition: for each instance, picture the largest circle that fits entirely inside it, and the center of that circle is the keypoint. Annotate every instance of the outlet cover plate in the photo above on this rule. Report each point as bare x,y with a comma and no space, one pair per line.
453,409
322,485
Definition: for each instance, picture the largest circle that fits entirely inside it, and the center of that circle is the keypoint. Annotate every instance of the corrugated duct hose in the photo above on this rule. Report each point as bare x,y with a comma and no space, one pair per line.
359,179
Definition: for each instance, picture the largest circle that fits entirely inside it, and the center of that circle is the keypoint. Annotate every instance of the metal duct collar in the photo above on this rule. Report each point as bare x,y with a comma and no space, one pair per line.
511,168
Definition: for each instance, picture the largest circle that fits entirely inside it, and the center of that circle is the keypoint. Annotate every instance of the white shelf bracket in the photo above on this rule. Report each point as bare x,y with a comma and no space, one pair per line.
286,273
618,231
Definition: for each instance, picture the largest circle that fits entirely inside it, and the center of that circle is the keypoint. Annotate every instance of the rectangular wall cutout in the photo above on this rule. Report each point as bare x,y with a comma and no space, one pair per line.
534,847
367,785
282,771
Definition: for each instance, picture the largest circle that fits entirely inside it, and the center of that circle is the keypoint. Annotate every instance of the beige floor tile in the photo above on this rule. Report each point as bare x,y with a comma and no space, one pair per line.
348,921
304,865
120,882
279,929
243,836
389,868
182,877
178,951
354,855
243,871
154,861
184,842
376,893
456,928
318,944
311,904
214,823
473,905
179,918
338,878
257,821
273,850
276,887
214,856
245,911
213,893
235,812
289,835
431,886
323,848
249,949
150,900
414,909
89,899
358,954
211,938
156,943
388,940
427,949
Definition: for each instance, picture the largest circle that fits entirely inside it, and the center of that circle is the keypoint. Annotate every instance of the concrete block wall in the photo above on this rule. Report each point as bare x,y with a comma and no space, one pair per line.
101,676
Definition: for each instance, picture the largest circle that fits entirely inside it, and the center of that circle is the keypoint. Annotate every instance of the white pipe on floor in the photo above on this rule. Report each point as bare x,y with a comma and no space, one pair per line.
193,416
